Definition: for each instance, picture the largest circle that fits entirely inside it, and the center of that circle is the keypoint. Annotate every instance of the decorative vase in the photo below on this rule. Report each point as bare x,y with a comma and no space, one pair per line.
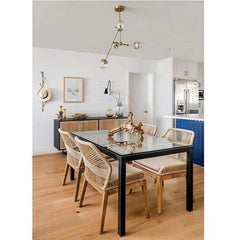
109,112
119,109
64,113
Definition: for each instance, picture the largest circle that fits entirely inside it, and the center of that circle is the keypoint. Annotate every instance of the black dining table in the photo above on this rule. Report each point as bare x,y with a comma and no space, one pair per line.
125,147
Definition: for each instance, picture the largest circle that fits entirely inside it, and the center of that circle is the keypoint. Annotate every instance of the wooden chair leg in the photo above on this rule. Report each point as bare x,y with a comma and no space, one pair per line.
159,195
77,185
104,208
144,190
130,191
65,173
84,187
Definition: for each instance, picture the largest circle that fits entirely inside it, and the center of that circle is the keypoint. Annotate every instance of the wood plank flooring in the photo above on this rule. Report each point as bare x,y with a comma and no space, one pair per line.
57,217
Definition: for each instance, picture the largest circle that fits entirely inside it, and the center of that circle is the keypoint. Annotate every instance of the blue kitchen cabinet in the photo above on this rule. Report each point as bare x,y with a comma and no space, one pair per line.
198,144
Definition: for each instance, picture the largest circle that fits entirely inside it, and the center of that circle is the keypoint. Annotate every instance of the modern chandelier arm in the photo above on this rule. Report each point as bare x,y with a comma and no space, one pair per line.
119,20
125,44
116,44
111,45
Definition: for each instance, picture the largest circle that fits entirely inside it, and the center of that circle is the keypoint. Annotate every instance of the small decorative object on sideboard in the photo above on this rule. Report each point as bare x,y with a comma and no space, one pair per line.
80,116
64,113
119,109
60,113
109,112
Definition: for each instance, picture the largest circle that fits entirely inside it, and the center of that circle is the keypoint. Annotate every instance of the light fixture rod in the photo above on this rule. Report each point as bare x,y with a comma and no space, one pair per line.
119,27
111,45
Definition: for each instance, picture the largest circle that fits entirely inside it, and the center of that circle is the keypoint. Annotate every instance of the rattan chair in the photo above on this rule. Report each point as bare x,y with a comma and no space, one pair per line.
103,176
74,159
149,129
170,166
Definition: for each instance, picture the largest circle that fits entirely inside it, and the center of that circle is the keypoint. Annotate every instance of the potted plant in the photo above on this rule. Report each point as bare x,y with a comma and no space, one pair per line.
60,113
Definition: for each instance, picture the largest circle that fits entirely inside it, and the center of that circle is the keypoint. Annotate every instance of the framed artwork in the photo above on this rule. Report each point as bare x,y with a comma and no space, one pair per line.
73,89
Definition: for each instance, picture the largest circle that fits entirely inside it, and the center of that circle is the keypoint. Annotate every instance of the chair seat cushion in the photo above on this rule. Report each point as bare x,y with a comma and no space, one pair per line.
132,174
161,165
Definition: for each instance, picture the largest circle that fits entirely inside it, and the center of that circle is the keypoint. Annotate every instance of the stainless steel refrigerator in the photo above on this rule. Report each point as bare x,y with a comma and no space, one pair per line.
186,96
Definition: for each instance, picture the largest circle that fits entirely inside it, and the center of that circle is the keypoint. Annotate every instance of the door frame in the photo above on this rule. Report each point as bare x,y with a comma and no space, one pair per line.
151,77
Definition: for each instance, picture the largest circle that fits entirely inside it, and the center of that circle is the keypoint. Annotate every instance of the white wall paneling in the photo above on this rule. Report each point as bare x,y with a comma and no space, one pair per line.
164,94
57,64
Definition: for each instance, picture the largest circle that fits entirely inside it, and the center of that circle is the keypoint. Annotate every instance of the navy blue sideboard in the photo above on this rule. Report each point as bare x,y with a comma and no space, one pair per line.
198,144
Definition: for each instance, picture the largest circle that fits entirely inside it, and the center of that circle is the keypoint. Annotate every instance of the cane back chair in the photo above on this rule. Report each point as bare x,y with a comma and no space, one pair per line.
169,166
149,129
103,176
74,159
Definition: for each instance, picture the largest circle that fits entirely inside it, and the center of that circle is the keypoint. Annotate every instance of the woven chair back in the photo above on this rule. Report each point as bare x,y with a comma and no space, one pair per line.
149,129
74,157
97,169
178,135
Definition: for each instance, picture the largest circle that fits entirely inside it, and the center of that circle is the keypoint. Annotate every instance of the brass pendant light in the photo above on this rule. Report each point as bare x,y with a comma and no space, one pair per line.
117,44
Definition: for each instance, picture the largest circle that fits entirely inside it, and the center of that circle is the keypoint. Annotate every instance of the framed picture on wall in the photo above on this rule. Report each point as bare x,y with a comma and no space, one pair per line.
73,89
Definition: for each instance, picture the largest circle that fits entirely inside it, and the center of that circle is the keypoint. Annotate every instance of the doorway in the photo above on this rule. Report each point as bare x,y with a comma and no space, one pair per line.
141,99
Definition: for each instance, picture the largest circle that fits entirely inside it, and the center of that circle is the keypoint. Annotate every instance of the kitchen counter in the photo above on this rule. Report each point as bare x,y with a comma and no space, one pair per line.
196,117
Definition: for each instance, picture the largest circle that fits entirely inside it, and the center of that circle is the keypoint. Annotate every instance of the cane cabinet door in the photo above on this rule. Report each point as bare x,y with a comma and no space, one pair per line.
109,124
77,126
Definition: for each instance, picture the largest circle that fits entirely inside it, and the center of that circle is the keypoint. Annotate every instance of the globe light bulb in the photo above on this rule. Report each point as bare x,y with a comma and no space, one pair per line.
116,45
136,45
103,63
120,25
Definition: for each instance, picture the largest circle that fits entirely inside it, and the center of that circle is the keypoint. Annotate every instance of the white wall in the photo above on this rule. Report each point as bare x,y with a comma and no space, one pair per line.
58,63
164,94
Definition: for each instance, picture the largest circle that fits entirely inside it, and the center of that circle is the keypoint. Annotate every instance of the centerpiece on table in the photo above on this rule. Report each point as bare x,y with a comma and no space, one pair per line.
128,126
128,135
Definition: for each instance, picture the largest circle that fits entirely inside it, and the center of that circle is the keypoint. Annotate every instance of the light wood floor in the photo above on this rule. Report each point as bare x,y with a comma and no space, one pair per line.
56,216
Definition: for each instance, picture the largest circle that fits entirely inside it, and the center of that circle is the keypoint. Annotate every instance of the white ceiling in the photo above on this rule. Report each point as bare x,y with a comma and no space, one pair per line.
90,27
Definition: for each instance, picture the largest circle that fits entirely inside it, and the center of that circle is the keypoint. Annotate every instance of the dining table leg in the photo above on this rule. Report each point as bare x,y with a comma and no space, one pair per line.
72,173
121,196
189,184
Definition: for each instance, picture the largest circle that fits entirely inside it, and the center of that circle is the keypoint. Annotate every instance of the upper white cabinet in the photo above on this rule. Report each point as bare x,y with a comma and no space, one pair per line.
185,70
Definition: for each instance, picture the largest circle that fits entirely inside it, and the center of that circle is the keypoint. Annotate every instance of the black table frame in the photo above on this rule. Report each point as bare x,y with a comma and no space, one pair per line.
123,159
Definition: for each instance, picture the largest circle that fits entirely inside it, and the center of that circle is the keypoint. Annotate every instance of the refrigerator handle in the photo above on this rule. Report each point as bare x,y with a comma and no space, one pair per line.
188,98
185,100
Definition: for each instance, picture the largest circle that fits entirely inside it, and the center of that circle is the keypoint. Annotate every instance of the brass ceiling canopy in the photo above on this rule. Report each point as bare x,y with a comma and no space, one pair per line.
119,8
116,44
